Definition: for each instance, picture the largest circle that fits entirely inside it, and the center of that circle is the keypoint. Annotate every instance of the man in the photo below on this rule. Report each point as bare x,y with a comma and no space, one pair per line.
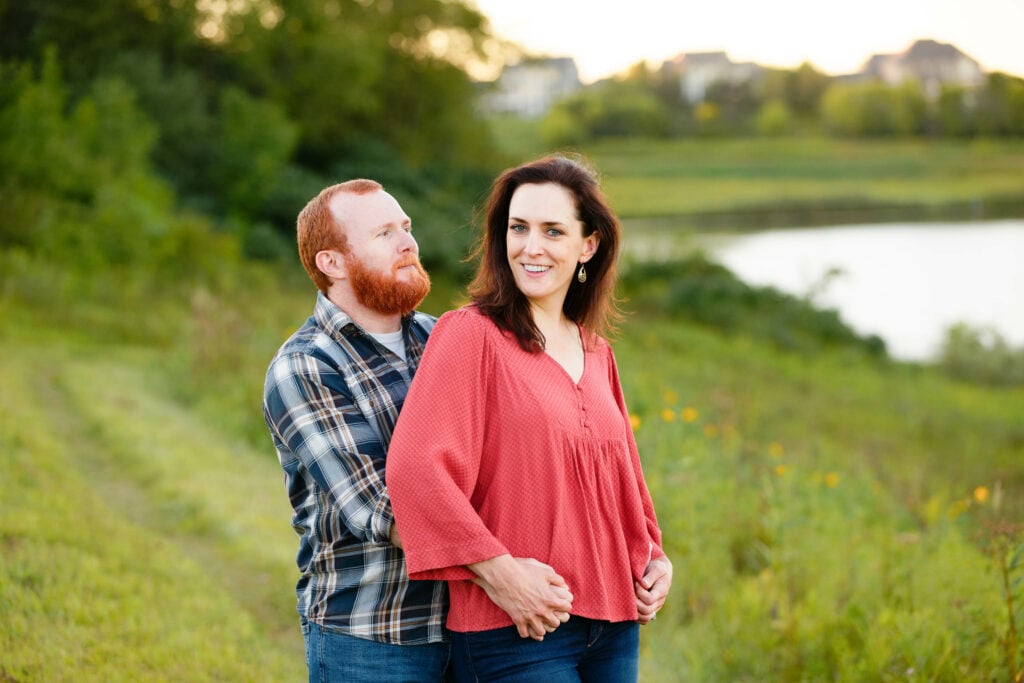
332,395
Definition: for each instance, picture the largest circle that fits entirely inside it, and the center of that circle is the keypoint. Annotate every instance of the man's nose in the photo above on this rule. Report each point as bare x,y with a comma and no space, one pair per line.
408,243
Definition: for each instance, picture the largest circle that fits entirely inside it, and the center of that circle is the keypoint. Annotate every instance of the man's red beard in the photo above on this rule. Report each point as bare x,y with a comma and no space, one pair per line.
386,293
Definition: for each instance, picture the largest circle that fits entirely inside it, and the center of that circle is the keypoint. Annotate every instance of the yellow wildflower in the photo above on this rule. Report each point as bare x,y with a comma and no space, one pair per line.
776,450
780,469
634,421
689,414
832,480
981,494
668,415
710,430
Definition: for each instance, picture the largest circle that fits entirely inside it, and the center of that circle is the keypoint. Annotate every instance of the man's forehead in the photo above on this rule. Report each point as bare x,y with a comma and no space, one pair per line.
367,209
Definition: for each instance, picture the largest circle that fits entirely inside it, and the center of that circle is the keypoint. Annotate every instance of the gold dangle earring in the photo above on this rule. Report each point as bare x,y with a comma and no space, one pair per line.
582,275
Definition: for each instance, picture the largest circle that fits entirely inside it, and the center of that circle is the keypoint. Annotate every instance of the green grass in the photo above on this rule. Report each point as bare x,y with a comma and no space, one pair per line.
830,514
824,512
683,177
138,542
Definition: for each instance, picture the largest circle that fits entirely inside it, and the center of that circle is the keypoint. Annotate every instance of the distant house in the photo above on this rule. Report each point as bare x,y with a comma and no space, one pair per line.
930,63
698,71
530,87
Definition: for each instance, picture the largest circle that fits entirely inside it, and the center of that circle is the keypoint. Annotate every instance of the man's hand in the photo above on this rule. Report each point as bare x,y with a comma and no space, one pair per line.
531,592
653,588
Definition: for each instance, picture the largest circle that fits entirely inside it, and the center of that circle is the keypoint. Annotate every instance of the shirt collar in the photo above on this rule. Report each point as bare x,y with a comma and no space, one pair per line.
337,322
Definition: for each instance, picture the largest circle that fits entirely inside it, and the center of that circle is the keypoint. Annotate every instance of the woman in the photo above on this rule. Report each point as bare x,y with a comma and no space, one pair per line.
513,472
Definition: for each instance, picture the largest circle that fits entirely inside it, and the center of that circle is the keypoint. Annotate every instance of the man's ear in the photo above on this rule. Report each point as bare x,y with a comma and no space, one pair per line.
332,264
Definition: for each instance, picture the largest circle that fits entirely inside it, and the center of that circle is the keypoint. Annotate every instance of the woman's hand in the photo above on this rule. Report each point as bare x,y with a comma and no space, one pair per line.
653,588
536,598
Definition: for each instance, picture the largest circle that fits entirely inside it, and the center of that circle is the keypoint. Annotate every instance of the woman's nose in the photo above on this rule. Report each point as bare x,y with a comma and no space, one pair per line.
533,242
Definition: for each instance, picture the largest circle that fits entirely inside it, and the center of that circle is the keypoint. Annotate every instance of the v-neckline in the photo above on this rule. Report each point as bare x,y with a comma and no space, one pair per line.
583,350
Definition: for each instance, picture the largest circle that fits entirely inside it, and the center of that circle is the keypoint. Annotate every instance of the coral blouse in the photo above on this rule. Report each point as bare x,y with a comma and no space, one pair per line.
497,451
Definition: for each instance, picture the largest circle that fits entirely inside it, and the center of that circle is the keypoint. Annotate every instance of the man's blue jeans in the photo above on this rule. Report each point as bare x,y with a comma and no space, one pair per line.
335,657
579,650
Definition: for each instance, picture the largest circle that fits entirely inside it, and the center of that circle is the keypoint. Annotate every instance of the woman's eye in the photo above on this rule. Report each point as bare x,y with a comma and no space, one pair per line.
554,232
517,227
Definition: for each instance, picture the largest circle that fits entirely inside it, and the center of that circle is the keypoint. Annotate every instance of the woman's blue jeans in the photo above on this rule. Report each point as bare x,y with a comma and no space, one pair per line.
579,650
335,657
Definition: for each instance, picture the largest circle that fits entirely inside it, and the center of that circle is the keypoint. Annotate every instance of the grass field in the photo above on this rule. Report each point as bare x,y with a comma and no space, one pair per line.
807,178
691,176
831,516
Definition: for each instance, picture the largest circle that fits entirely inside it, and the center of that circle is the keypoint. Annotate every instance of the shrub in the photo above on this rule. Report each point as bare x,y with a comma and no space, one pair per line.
700,290
981,355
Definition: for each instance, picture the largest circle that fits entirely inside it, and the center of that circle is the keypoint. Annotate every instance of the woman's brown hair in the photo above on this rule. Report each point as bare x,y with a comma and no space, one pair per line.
591,304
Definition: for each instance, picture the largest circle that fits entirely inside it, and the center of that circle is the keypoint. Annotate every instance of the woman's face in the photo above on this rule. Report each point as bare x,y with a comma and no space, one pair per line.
545,243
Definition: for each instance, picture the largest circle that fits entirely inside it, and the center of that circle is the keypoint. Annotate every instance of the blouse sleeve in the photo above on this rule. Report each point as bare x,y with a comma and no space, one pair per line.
434,456
653,530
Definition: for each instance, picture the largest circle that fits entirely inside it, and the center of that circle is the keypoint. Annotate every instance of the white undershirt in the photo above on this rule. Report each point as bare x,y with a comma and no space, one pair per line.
393,340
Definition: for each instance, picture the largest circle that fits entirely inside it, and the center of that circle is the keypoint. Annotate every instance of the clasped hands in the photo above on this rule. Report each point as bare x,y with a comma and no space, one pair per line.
539,600
536,598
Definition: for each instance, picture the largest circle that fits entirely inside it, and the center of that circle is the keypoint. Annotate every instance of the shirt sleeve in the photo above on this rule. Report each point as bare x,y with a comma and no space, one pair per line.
435,452
653,530
312,414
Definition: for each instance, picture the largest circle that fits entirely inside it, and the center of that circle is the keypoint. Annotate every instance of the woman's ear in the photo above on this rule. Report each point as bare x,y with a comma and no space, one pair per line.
590,244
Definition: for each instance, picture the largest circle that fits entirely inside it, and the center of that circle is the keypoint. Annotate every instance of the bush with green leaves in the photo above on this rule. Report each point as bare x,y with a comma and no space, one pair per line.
706,292
981,355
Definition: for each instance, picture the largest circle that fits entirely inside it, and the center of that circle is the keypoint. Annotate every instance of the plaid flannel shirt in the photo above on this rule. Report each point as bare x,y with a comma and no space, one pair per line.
331,399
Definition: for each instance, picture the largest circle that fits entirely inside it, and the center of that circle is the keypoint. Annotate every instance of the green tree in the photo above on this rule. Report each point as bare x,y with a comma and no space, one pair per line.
954,113
775,118
1001,106
348,71
613,108
255,143
804,89
800,90
736,107
89,33
87,213
873,108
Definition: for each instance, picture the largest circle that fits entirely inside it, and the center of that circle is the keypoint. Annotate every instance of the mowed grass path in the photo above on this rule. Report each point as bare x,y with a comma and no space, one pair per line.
138,542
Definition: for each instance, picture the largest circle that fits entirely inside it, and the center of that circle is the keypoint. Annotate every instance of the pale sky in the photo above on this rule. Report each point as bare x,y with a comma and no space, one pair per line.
607,37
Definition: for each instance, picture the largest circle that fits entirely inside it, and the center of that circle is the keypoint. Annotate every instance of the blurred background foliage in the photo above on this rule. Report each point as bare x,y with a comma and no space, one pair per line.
232,113
803,101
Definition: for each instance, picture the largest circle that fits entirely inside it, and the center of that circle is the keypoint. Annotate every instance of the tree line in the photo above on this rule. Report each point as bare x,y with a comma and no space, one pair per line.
171,136
130,128
650,102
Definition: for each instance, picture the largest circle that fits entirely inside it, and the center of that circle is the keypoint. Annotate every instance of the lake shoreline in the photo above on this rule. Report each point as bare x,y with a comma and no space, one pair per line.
829,213
904,282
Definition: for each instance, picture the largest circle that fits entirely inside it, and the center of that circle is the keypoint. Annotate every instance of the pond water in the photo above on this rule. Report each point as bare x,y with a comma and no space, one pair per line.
907,283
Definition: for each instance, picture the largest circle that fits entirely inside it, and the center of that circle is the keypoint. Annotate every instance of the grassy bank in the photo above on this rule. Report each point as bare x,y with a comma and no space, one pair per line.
753,182
832,516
